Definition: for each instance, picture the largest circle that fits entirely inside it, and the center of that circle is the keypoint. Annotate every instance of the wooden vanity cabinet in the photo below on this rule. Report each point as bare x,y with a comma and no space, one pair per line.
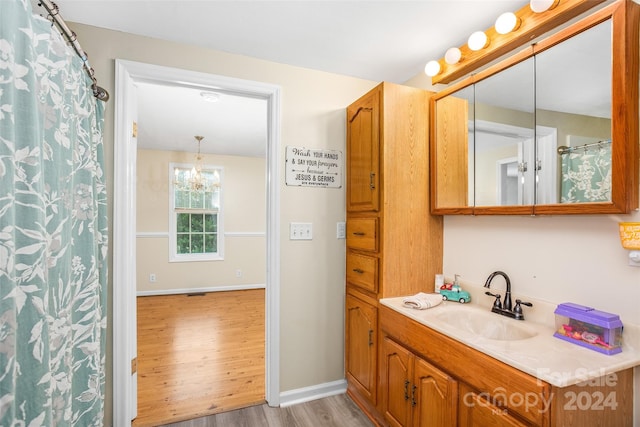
488,392
361,336
477,410
414,392
394,244
363,160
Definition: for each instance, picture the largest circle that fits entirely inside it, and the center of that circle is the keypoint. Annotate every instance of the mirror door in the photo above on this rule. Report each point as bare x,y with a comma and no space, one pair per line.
504,137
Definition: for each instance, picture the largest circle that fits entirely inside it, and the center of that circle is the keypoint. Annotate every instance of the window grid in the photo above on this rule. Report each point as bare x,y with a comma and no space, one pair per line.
195,215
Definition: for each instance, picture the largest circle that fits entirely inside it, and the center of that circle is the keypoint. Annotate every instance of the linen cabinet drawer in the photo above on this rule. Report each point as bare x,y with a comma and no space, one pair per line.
362,233
362,271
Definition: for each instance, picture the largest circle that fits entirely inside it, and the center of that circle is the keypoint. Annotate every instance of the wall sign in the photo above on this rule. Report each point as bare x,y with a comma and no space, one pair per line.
313,168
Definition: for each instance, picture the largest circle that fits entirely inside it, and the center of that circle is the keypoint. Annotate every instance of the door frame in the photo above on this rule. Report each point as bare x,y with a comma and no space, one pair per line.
124,220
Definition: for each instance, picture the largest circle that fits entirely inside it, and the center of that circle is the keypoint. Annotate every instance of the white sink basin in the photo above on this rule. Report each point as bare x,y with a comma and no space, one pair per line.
485,324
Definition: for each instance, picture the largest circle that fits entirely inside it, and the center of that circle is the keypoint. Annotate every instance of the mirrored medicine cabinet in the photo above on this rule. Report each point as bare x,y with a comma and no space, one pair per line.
553,129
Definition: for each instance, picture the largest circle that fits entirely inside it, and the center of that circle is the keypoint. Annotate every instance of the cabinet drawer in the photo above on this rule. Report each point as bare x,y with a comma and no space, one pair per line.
362,271
362,234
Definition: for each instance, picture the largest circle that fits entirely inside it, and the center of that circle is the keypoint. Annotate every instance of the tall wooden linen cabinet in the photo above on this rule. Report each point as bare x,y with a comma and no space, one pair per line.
394,244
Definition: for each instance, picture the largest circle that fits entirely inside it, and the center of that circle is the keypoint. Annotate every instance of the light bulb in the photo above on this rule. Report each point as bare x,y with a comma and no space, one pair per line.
432,68
539,6
452,55
478,40
507,22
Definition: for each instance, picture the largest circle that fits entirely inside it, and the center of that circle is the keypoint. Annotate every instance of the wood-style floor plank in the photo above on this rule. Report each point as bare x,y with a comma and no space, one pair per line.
199,355
333,411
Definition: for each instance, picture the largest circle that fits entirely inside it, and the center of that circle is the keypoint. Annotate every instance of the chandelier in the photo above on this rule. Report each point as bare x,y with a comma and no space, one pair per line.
197,179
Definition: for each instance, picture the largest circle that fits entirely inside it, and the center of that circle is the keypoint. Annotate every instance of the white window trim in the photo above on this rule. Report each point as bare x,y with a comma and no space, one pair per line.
173,255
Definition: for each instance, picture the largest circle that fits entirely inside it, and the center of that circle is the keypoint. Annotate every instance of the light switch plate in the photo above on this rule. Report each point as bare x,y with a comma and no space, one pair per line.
300,231
340,230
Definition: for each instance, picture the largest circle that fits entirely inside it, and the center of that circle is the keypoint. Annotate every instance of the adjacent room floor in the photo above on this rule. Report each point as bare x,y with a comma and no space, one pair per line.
199,355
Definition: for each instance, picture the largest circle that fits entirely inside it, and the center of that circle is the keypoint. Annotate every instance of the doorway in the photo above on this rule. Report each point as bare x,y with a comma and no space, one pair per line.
124,223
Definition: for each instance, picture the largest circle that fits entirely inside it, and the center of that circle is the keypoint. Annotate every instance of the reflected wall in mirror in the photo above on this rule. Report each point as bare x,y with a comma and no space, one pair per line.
504,137
551,130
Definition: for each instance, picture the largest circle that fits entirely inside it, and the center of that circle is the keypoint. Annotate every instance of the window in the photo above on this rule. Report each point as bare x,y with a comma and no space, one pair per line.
195,220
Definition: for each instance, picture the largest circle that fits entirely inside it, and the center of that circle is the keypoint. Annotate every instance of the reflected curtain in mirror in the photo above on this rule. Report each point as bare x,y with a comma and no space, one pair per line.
586,173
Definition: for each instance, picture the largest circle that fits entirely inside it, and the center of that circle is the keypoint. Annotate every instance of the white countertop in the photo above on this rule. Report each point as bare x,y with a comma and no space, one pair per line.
543,356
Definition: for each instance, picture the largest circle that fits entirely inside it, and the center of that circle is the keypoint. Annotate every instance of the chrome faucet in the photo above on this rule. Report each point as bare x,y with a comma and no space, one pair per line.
505,308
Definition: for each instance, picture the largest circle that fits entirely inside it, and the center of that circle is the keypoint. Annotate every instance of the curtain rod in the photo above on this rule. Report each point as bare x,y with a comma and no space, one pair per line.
563,149
53,11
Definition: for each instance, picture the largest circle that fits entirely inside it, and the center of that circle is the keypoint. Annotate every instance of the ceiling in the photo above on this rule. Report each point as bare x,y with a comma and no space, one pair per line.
380,40
376,40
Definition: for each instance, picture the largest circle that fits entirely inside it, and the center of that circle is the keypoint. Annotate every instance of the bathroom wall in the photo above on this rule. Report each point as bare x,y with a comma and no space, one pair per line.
553,259
244,219
556,259
313,116
576,258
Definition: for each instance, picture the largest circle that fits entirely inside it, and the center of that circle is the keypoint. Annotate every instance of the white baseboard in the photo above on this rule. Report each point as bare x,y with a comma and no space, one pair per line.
307,394
200,290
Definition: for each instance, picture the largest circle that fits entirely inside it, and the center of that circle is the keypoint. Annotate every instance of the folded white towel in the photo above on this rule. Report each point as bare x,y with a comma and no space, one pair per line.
421,301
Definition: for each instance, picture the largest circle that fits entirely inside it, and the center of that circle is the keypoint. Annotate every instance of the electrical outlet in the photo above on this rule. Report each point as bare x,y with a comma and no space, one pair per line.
300,231
238,273
152,278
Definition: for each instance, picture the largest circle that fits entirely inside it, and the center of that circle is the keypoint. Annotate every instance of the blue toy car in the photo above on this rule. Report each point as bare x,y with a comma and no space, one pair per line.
454,293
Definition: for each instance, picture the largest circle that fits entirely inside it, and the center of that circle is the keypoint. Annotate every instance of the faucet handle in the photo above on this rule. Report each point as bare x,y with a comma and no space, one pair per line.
518,308
497,303
520,302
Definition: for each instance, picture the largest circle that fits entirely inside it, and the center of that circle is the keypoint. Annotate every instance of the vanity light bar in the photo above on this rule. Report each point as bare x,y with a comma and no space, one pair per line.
530,26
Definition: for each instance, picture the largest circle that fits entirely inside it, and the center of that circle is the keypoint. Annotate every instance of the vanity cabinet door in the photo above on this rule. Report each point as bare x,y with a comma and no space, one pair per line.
395,383
361,348
414,392
435,396
363,153
477,411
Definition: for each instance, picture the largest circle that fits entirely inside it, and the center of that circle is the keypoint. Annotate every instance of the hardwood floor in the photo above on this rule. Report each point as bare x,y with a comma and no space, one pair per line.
199,355
334,411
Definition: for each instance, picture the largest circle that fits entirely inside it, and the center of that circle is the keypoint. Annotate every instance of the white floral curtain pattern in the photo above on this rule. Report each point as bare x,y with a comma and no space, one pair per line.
586,175
53,229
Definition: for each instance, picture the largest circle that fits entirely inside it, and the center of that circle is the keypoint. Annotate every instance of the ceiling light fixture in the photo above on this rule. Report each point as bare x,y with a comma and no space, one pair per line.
478,41
452,56
507,22
432,68
196,179
511,31
539,6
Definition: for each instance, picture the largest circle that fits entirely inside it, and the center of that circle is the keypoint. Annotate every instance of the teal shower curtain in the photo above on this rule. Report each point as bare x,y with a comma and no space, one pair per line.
586,175
53,229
